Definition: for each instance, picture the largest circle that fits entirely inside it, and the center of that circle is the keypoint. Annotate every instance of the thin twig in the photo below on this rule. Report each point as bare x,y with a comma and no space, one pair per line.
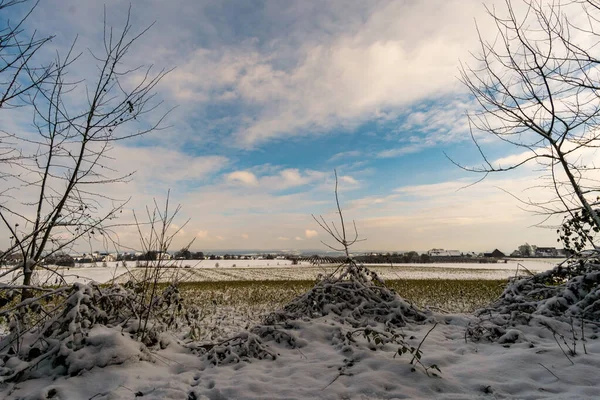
421,343
549,371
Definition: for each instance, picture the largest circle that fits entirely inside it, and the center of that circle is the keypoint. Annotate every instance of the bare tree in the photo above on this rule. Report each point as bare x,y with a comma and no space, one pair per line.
17,75
537,86
16,53
55,196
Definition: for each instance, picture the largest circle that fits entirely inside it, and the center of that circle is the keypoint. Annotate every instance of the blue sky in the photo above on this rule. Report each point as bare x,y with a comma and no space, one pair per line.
271,96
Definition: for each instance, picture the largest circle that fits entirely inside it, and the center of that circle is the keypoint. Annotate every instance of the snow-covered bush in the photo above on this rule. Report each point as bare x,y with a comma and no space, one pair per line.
568,293
356,296
88,325
242,347
355,301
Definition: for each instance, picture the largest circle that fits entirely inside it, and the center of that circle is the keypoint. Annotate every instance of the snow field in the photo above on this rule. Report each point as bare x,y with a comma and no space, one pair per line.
313,353
469,371
259,270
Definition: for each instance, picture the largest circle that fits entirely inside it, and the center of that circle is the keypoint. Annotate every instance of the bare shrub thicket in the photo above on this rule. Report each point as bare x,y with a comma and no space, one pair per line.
70,329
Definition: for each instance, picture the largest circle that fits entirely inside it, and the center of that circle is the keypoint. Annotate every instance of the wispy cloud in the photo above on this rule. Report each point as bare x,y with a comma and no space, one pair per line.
345,155
166,166
400,151
278,179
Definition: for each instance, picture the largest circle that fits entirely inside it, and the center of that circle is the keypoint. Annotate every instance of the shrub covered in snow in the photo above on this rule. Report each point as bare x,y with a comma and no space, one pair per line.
86,325
568,293
359,309
356,296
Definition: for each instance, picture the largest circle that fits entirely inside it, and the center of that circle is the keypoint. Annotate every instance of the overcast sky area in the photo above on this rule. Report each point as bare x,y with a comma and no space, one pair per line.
272,96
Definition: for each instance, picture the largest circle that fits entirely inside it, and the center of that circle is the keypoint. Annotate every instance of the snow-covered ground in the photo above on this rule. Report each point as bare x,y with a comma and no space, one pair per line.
327,356
227,270
535,369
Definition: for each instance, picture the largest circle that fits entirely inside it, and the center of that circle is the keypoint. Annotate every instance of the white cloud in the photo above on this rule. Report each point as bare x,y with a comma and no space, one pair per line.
202,234
283,238
367,202
272,178
245,236
401,53
348,179
245,177
165,165
309,233
513,159
299,238
291,177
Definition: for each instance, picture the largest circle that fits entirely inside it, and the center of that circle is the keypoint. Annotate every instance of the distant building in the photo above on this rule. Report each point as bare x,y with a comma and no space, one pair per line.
546,252
443,253
436,252
496,254
109,258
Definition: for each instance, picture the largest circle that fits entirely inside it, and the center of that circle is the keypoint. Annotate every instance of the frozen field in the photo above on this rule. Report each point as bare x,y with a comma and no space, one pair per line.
273,270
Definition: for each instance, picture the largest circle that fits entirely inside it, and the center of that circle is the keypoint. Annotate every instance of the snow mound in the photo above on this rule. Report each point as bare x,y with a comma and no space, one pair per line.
355,299
567,295
88,326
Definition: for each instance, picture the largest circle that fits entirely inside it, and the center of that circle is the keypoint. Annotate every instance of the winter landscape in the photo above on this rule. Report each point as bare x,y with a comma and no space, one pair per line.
266,199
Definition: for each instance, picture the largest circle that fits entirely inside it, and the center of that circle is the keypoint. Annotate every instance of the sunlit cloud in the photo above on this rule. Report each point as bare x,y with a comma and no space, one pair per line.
244,177
309,233
202,234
